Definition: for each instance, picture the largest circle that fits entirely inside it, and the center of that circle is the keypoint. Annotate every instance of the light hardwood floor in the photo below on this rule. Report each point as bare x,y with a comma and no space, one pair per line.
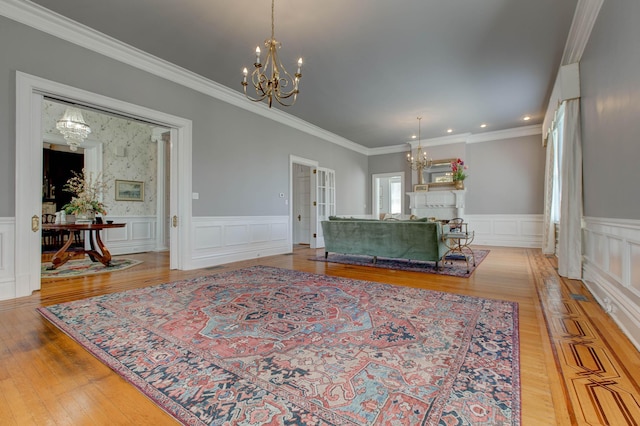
576,365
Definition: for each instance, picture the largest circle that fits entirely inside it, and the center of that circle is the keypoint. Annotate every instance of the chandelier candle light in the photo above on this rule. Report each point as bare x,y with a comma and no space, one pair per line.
420,161
274,80
73,127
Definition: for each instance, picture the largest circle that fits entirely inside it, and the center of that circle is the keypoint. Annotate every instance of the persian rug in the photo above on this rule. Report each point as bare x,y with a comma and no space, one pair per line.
270,346
80,267
456,266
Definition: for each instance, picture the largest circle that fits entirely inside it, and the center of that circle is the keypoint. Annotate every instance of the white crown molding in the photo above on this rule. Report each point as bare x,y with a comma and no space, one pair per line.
391,149
516,132
584,19
445,140
42,19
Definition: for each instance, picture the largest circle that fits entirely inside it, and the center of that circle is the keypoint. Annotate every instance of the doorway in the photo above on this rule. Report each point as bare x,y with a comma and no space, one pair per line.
302,181
301,204
387,195
30,92
117,149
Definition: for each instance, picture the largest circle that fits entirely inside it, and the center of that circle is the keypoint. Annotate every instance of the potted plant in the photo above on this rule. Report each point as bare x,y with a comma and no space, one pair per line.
87,192
457,168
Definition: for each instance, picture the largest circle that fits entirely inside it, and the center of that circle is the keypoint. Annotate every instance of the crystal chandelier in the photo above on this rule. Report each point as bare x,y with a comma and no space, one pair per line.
73,127
271,80
420,161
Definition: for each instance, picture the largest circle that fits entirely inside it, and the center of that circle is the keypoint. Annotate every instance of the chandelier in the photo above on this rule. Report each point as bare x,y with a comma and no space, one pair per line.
420,161
271,80
73,127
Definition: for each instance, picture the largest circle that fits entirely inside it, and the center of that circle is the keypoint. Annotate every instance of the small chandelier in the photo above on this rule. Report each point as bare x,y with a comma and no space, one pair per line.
73,127
420,162
273,81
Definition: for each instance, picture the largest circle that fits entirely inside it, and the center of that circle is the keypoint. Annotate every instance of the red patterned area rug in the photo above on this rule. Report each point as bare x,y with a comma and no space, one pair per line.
270,346
456,266
82,267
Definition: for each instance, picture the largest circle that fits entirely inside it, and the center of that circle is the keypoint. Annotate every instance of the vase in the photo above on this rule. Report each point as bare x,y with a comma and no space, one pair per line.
459,184
85,216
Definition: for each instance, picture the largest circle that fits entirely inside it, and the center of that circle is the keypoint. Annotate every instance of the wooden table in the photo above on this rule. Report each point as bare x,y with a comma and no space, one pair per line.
98,251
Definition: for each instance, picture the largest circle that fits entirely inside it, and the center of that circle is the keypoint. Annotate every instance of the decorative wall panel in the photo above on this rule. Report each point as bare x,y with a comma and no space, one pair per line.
219,240
7,275
139,235
611,270
506,230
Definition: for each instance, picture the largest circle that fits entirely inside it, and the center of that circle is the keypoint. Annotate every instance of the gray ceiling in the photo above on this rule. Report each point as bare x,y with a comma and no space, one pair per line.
371,66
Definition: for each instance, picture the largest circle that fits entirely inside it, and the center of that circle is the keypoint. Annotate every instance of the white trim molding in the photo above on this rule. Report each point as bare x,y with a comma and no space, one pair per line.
7,258
506,230
220,240
611,270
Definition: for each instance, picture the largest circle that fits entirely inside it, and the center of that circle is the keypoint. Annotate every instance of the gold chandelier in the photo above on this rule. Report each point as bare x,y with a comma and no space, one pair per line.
271,80
420,161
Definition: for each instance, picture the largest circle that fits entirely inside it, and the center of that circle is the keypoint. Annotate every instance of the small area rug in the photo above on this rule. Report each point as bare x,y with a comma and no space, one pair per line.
77,268
270,346
456,268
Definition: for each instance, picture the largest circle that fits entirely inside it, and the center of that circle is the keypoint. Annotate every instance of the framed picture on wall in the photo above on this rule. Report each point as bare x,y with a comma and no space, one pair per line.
129,190
420,187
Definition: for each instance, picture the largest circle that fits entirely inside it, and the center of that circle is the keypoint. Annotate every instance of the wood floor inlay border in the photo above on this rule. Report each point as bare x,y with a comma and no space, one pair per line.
600,389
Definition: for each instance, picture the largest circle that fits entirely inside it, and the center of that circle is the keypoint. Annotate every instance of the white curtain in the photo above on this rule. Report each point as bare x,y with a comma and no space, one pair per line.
570,237
548,231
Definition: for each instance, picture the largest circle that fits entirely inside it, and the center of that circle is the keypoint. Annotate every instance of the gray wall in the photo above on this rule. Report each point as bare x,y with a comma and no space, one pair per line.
505,176
610,90
240,160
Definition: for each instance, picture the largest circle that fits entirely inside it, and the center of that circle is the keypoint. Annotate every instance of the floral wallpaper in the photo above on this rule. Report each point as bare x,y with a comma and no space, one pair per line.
127,154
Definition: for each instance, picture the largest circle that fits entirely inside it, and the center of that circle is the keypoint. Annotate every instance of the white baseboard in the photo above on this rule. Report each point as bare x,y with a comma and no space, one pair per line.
219,240
611,270
7,258
506,230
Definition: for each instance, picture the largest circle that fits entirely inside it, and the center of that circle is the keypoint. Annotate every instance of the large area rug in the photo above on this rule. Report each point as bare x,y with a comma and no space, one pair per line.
81,267
269,346
455,267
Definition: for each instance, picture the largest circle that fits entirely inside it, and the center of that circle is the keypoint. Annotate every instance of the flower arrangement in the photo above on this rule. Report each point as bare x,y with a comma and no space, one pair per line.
86,194
458,168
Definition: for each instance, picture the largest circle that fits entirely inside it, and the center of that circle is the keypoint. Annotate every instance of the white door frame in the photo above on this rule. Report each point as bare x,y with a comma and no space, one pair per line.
313,210
375,210
30,91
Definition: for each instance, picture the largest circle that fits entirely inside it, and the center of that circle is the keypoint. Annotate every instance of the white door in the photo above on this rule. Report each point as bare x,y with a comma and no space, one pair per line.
325,199
302,204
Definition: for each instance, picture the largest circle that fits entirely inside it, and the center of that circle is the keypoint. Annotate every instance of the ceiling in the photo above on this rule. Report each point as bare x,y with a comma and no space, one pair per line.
371,67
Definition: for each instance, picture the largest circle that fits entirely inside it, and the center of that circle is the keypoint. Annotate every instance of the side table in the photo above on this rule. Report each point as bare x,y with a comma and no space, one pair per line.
458,243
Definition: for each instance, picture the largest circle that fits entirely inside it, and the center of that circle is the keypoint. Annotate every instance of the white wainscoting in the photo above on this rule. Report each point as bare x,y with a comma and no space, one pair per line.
219,240
506,230
139,235
7,258
611,270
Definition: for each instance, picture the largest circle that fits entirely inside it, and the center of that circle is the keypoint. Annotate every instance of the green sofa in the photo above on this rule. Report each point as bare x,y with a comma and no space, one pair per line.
400,239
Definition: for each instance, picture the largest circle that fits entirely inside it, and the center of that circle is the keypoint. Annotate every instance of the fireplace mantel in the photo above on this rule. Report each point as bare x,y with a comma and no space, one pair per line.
438,204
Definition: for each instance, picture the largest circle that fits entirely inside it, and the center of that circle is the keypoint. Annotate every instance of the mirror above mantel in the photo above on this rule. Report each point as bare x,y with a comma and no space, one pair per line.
440,171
